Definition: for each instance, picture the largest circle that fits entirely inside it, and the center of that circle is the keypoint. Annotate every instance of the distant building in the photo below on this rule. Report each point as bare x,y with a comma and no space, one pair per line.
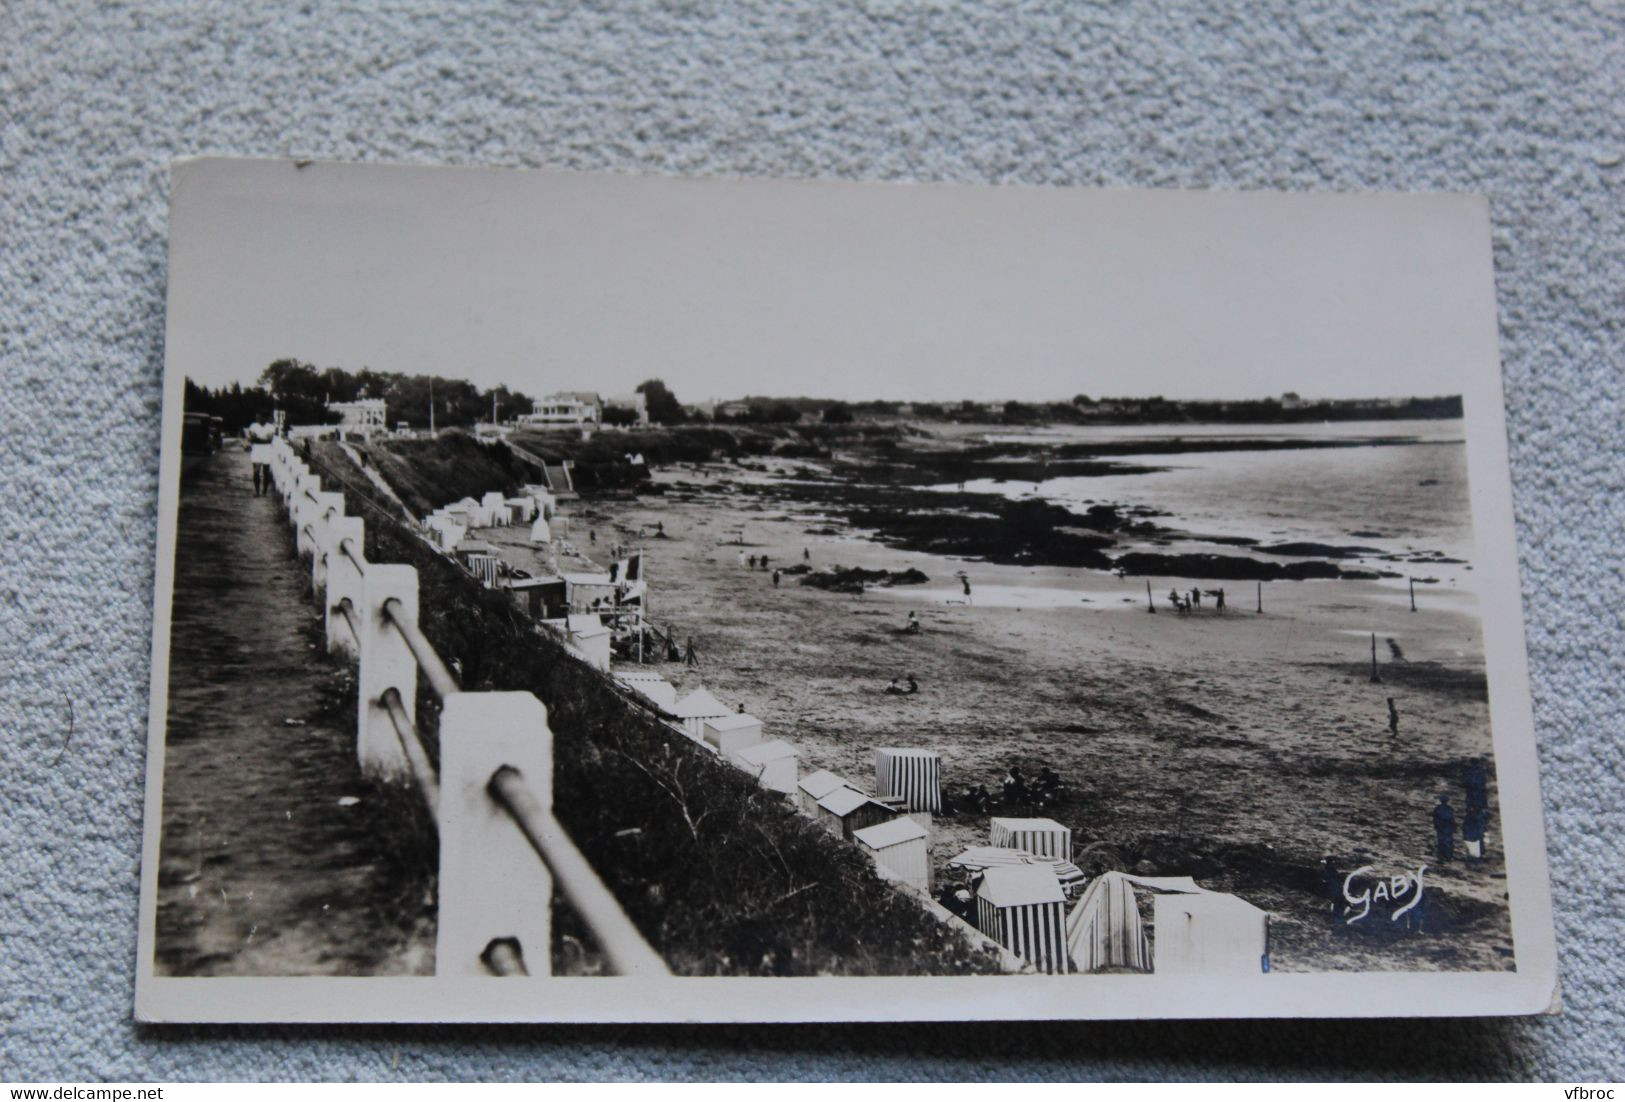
364,415
733,409
636,402
568,408
1290,400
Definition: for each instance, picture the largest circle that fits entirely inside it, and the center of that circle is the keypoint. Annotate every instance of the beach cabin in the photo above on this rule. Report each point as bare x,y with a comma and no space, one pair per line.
586,592
521,510
697,707
494,507
651,685
481,560
542,597
901,848
1042,837
846,810
465,512
1023,909
732,732
912,776
814,787
589,636
773,764
1210,934
1193,930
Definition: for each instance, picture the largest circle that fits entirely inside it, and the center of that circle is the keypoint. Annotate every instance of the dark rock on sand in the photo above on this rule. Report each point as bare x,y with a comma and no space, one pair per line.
851,580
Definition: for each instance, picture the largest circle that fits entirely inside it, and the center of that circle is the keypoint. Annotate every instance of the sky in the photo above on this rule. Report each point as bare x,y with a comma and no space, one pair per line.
550,281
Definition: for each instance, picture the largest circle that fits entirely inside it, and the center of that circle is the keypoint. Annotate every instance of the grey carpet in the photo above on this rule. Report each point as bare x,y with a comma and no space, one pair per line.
1524,105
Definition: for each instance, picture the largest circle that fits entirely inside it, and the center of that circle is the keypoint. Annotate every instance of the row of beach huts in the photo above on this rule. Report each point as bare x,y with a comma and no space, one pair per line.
1025,893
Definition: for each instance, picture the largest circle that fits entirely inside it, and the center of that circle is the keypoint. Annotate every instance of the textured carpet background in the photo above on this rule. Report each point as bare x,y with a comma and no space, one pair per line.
1524,105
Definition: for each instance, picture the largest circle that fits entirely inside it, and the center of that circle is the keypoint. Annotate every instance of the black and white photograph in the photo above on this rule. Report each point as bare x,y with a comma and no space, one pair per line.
606,598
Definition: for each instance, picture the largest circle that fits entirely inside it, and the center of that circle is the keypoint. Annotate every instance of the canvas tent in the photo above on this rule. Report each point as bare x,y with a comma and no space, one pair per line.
815,786
732,732
912,776
540,530
901,848
1193,929
697,707
1023,909
1044,837
846,810
773,764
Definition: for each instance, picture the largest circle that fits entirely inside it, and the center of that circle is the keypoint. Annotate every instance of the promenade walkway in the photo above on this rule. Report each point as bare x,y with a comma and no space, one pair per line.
275,857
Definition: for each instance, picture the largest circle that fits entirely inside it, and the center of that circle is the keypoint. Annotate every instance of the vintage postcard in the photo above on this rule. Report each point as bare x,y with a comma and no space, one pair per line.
607,598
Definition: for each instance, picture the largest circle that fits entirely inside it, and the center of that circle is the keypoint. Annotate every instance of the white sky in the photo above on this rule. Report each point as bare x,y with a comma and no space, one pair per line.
554,281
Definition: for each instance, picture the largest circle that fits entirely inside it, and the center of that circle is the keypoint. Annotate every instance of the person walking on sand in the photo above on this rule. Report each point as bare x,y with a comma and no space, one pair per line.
1393,719
690,658
776,579
1444,829
965,581
806,554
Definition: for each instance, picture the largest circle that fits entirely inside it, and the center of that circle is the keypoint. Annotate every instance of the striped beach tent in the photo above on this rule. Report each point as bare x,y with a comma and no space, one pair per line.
1193,929
1022,908
981,858
1044,837
913,776
1104,932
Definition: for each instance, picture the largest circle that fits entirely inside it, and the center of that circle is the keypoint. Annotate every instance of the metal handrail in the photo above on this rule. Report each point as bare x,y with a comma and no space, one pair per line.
422,769
628,954
356,560
440,678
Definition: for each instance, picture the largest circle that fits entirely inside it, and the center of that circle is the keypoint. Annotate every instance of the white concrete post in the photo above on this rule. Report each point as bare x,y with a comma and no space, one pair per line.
386,663
304,510
343,581
492,883
328,508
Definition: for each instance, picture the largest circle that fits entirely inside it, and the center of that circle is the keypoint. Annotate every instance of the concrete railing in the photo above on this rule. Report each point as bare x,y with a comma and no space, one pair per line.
502,852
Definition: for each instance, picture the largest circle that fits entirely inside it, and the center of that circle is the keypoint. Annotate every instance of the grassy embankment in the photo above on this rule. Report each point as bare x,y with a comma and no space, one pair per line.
722,877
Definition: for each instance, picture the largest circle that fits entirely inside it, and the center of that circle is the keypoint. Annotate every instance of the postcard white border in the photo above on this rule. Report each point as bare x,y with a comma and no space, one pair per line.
1531,989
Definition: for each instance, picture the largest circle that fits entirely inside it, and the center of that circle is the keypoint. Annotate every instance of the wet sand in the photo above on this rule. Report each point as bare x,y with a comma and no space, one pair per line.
1238,747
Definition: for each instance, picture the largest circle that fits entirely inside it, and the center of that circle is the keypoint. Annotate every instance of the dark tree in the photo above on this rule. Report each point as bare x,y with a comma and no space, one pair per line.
664,408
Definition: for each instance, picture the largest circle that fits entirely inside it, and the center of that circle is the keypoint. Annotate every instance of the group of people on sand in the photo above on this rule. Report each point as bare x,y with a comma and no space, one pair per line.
1186,603
908,687
1017,792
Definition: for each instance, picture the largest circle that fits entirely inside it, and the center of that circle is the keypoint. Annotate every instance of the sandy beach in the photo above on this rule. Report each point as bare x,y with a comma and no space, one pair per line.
1237,747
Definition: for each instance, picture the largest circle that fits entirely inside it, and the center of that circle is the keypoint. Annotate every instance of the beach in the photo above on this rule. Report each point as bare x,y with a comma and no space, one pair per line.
1239,747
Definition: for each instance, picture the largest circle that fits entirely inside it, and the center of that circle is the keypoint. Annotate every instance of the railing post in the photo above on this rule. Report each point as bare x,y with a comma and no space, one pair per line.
343,582
492,884
304,509
328,508
386,663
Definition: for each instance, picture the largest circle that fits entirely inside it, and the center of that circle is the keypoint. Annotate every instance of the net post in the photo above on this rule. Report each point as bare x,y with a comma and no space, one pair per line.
343,582
329,507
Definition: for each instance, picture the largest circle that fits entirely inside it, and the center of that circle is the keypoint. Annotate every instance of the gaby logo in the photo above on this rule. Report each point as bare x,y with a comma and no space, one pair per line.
1387,890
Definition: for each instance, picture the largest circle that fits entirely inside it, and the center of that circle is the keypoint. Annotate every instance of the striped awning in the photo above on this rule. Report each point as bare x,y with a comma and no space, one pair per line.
981,858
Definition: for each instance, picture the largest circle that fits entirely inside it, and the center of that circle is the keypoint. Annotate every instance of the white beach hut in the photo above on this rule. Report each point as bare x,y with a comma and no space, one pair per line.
1023,909
901,848
773,764
912,776
815,786
1044,837
697,707
651,685
494,509
730,733
1210,934
589,636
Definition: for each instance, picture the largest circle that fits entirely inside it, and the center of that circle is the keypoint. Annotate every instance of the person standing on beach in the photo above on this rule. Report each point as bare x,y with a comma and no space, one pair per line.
1393,719
690,658
775,579
1219,599
1444,828
764,562
1475,778
741,558
965,580
806,554
752,561
1196,597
